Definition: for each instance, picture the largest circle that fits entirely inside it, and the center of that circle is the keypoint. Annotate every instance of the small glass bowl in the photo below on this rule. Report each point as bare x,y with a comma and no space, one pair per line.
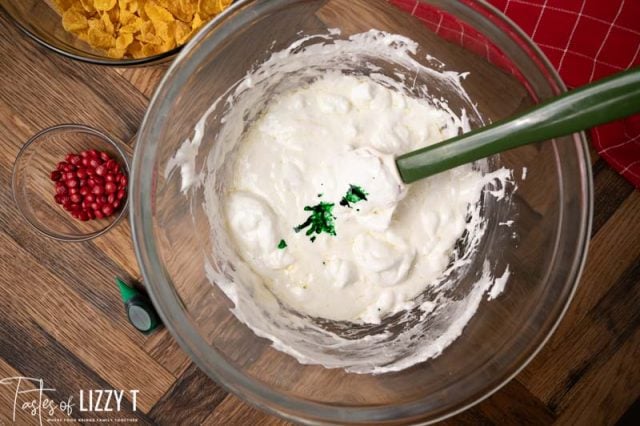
33,189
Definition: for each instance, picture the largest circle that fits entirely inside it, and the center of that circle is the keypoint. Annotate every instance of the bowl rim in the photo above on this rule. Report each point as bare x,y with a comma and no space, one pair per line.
106,61
256,393
70,127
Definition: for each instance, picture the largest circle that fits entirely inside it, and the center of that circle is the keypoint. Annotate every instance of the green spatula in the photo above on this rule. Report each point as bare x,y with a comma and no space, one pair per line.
607,100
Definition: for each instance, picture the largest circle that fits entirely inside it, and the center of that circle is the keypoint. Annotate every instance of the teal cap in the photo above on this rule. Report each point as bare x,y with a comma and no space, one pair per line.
140,311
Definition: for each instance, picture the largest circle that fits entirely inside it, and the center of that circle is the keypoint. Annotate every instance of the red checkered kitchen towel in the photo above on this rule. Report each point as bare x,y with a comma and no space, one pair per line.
585,40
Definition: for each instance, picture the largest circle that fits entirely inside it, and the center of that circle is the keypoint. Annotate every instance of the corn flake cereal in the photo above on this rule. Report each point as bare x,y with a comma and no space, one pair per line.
108,25
136,28
210,8
123,41
157,13
104,5
101,39
62,5
183,31
88,6
73,21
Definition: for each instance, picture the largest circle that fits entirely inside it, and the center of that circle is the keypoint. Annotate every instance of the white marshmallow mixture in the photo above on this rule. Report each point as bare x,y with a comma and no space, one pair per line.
309,146
317,126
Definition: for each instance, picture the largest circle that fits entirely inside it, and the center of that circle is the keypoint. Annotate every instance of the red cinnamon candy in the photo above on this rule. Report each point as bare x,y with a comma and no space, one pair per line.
90,185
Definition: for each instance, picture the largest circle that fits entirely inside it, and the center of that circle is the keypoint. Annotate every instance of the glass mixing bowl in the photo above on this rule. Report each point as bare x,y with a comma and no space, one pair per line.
545,247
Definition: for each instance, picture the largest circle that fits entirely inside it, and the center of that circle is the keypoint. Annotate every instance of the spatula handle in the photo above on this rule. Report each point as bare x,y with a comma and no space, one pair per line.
607,100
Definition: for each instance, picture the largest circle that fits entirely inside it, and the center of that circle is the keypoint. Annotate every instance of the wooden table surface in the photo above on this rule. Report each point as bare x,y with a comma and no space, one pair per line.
62,320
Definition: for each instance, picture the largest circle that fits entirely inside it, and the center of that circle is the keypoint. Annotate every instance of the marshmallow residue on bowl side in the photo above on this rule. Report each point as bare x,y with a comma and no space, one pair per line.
302,128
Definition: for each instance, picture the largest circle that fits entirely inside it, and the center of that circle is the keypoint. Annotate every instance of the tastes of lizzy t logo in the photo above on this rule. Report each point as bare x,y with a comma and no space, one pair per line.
32,397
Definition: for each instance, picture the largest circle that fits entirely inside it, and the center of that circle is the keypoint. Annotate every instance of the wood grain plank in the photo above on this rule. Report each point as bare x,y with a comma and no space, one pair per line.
613,249
8,398
593,340
80,266
145,79
609,192
114,251
41,89
234,412
606,389
77,326
117,245
190,401
471,417
34,352
164,349
611,252
515,405
631,416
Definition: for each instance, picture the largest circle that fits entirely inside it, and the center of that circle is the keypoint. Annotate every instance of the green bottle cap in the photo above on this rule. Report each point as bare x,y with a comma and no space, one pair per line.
140,311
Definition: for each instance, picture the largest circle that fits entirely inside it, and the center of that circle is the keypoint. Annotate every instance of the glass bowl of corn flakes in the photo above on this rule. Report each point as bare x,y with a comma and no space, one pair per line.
113,32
